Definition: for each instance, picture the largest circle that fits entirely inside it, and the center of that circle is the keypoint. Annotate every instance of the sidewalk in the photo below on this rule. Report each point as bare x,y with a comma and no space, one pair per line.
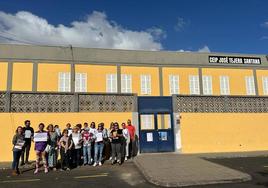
178,170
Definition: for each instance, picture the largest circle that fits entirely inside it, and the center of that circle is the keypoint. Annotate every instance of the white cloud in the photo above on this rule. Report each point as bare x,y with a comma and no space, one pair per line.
264,38
181,23
204,49
96,31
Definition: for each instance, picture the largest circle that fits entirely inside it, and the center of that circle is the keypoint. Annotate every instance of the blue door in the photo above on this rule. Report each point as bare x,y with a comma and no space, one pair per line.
156,124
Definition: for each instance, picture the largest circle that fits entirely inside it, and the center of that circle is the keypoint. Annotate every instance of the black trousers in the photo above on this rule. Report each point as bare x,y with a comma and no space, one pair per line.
25,150
65,158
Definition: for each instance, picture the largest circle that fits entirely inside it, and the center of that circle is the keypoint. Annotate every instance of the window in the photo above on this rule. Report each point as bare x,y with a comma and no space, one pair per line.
111,83
224,85
194,84
174,84
207,85
265,85
147,122
250,86
126,83
81,82
64,82
145,84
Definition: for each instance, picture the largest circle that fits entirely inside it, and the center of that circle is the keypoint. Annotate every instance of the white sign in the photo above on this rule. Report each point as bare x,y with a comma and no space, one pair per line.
76,140
19,144
149,137
99,137
28,134
40,137
70,132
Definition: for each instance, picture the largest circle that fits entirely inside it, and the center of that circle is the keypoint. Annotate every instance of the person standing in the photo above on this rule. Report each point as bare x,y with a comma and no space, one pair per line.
132,134
28,133
116,136
77,141
40,146
87,144
66,144
99,144
52,147
126,141
18,143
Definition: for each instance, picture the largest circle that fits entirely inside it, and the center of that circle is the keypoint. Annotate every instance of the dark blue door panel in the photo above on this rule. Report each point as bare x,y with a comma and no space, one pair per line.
156,140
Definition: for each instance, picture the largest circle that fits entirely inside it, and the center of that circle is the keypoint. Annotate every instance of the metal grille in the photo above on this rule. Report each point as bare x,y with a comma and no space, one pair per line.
107,103
3,102
24,102
232,104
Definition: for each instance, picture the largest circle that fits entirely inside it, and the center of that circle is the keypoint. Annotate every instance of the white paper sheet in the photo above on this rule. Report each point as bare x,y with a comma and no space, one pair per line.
28,134
40,137
149,137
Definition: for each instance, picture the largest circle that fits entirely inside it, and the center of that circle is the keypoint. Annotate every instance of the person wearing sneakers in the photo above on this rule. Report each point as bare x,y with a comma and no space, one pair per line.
18,143
132,134
99,144
126,141
87,144
40,139
66,145
116,136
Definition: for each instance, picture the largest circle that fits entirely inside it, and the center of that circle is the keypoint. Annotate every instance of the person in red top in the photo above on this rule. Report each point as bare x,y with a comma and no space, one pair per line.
132,134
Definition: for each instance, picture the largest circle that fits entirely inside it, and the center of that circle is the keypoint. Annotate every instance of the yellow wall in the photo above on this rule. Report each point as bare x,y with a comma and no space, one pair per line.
10,121
260,74
47,79
96,76
136,72
183,74
22,77
3,75
225,132
236,79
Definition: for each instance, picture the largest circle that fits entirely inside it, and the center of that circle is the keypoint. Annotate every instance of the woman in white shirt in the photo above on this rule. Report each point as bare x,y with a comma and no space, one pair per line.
126,141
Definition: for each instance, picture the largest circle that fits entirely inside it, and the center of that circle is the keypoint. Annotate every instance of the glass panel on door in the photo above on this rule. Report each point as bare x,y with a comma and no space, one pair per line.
147,121
163,121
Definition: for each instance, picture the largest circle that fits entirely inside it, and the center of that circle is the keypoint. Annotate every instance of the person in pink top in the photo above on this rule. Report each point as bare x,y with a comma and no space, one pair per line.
132,134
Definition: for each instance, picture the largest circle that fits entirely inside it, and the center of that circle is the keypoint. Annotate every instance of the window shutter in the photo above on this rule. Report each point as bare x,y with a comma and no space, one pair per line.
265,85
145,84
250,86
207,85
173,84
194,84
224,85
111,83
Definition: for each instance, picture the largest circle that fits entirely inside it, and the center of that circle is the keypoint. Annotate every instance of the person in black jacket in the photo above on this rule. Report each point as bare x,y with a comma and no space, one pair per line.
28,133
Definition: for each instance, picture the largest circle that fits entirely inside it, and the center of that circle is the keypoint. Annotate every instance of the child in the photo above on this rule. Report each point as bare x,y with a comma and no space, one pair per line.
40,146
18,142
65,150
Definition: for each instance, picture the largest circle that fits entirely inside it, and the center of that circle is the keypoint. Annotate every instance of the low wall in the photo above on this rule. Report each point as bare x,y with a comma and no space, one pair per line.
10,121
223,132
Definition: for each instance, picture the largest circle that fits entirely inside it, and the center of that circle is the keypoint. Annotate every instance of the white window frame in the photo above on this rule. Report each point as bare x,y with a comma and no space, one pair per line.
174,84
265,85
126,83
146,84
80,82
64,81
111,83
194,85
250,85
207,85
224,85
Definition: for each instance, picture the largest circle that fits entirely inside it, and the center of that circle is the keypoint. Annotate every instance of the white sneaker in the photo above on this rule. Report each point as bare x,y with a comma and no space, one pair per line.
110,158
125,158
100,164
95,164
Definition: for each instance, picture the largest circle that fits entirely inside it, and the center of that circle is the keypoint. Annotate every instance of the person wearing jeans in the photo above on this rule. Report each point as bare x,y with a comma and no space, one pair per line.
87,144
18,142
98,146
126,141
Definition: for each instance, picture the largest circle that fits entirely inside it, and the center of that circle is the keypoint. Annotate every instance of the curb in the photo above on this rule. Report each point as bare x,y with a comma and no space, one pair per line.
155,181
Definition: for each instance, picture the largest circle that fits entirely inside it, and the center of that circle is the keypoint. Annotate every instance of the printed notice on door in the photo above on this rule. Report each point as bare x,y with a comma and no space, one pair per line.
149,137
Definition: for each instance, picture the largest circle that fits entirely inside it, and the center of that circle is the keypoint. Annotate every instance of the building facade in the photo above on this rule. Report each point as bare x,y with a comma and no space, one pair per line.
179,101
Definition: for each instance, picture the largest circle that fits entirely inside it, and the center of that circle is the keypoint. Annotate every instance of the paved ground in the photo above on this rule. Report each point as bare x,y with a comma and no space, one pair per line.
257,167
173,170
107,176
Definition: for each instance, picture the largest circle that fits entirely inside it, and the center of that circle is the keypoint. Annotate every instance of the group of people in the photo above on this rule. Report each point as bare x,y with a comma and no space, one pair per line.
77,146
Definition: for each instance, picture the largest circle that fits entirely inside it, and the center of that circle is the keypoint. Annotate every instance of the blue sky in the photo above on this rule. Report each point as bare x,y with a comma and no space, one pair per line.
183,25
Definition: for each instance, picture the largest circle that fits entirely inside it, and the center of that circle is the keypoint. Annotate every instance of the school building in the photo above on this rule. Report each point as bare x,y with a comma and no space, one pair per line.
184,102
